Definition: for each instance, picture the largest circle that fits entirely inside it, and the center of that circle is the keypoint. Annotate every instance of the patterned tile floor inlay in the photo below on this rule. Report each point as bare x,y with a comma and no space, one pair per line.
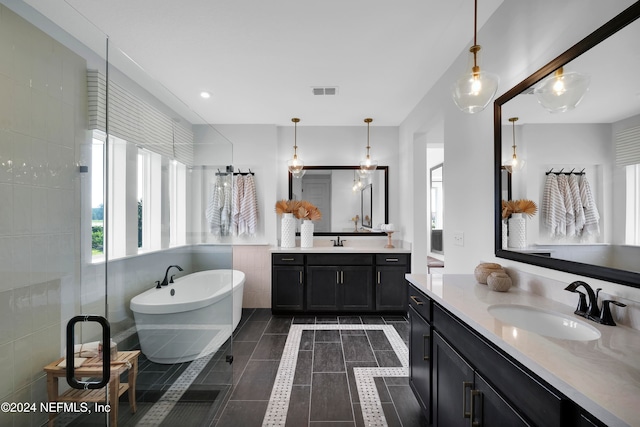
371,405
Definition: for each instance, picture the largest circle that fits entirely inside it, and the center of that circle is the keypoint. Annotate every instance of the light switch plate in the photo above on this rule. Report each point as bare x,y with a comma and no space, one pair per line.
458,238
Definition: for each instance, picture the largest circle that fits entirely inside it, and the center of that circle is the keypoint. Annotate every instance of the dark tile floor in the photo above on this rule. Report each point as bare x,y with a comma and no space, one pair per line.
324,391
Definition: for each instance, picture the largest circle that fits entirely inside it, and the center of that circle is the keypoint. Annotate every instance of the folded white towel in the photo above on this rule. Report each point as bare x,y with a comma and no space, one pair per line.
90,349
77,362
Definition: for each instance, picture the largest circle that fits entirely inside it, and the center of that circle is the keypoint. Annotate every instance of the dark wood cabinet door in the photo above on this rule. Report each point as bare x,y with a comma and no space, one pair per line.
420,361
452,385
356,288
391,288
287,291
323,288
489,409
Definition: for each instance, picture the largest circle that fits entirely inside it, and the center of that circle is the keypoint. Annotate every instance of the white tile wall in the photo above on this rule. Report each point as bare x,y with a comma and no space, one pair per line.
37,192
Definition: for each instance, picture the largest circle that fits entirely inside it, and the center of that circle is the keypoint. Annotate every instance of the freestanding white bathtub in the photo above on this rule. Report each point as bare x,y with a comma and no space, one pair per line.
190,318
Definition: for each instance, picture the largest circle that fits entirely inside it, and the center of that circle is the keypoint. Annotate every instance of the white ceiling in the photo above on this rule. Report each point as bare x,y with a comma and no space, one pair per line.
260,59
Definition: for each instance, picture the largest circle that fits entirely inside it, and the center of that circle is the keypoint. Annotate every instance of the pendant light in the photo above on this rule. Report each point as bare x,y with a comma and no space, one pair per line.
473,90
357,183
516,163
367,166
562,91
295,165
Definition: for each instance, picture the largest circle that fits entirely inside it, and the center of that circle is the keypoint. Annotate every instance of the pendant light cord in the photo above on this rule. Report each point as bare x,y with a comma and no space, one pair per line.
475,23
475,35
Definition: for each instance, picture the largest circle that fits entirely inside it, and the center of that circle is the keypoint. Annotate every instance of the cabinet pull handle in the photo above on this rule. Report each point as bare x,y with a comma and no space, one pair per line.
465,384
337,277
342,277
416,300
287,259
378,277
392,259
425,348
301,277
474,394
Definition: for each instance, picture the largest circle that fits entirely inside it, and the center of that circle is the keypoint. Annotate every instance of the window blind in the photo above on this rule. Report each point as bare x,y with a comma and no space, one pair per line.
136,121
628,147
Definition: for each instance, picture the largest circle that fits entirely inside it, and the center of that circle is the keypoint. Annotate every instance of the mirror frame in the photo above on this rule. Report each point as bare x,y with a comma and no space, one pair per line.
623,277
384,169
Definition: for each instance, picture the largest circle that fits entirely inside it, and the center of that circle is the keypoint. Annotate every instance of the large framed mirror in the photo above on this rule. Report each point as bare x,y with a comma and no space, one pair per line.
338,192
584,142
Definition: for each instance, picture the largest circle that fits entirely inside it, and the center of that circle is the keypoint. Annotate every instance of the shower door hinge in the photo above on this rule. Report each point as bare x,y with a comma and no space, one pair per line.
229,359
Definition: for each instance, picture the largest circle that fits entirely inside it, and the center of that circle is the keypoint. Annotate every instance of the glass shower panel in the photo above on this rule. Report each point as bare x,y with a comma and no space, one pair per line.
170,281
45,236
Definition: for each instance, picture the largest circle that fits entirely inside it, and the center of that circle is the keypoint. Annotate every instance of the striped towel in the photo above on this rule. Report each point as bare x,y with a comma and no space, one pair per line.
225,214
553,210
565,192
214,207
238,191
248,208
591,214
574,188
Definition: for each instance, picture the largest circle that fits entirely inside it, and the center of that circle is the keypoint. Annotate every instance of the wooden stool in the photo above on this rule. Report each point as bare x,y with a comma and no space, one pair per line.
127,360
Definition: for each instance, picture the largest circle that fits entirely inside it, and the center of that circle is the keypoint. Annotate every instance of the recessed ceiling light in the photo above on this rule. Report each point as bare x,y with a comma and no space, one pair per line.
205,95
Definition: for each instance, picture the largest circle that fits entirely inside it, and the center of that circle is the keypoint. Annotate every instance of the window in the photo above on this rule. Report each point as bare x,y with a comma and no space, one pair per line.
632,228
97,196
178,203
145,204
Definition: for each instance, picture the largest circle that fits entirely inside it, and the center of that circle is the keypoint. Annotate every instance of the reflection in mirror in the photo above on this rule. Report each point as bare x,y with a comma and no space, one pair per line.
336,191
593,232
367,205
437,209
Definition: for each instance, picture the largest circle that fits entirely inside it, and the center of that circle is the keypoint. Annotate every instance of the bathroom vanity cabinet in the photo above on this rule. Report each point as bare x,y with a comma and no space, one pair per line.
339,282
287,282
461,379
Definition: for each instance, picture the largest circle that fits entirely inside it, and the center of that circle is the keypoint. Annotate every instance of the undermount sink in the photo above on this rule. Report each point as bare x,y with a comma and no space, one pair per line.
543,322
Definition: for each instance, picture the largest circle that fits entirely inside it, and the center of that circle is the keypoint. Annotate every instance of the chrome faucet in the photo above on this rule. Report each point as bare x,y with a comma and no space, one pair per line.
590,311
165,281
338,242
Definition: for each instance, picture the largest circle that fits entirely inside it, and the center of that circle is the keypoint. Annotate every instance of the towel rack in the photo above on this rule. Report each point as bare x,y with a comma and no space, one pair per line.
561,171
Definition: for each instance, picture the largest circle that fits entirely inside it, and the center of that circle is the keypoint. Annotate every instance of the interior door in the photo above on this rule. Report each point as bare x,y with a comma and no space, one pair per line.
317,190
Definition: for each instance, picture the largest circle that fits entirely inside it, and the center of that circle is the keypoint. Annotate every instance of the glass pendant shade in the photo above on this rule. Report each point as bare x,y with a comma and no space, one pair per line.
474,90
296,165
368,165
562,91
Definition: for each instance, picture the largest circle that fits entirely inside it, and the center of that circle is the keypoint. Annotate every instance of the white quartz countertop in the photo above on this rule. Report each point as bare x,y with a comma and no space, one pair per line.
378,249
602,376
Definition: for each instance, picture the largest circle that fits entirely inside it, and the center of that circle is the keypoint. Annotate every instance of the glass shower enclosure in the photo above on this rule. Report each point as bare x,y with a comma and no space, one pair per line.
108,177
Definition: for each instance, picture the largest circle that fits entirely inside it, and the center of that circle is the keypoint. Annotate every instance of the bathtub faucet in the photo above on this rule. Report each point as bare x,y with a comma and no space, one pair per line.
165,281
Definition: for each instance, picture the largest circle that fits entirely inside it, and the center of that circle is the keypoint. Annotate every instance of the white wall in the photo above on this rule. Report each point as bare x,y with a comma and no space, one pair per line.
518,39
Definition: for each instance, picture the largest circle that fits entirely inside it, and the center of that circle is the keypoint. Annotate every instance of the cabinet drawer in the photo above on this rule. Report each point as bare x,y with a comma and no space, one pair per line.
392,259
536,401
287,259
420,303
339,259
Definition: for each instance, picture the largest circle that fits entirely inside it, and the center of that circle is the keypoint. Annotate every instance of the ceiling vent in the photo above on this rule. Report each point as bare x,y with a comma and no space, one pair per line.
332,90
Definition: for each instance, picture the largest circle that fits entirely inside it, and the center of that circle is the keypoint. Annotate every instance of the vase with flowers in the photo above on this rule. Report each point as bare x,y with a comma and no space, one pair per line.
291,210
514,211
